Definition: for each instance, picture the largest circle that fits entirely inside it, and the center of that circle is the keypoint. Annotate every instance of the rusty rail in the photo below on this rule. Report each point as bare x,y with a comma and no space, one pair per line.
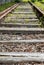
5,12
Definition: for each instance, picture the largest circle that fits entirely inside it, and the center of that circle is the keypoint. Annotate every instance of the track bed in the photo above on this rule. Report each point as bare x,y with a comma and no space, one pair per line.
21,37
21,47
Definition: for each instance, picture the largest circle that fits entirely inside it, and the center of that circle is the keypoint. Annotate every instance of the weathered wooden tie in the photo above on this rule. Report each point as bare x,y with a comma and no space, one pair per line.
19,25
21,29
22,12
35,41
21,57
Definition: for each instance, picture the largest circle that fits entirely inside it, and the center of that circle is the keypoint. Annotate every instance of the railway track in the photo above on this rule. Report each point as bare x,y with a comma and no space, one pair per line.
21,37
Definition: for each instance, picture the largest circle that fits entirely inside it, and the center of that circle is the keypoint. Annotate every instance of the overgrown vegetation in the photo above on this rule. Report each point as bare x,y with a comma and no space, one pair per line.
40,5
6,5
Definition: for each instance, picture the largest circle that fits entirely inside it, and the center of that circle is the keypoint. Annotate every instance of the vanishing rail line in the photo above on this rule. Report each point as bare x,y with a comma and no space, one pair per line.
21,37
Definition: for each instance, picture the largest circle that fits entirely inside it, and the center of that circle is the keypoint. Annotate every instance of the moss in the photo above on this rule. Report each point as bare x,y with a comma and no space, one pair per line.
7,19
10,15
